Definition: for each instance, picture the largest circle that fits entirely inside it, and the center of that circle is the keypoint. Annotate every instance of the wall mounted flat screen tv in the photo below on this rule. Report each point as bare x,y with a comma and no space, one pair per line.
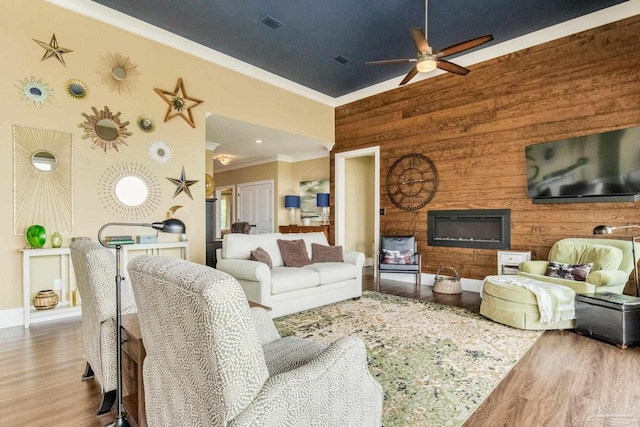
601,167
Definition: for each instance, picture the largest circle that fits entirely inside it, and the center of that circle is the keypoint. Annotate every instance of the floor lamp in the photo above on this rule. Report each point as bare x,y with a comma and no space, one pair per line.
604,229
172,225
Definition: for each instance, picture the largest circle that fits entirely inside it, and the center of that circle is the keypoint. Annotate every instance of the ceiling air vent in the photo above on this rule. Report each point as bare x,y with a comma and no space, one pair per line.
271,22
342,59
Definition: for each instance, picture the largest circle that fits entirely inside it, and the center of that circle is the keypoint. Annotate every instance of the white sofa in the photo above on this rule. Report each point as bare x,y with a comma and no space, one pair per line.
289,289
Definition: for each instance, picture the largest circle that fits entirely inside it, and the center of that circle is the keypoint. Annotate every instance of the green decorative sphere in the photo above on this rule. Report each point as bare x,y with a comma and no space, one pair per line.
36,236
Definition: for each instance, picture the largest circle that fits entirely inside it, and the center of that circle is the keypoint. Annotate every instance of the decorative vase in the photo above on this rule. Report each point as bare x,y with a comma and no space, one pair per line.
36,235
45,300
56,240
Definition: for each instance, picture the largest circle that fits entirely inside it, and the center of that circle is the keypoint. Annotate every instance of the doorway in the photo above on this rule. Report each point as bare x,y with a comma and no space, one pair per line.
349,209
255,205
225,209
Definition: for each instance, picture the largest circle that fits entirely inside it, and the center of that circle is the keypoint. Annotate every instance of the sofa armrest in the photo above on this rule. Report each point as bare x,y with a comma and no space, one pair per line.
353,257
339,375
245,269
601,278
534,267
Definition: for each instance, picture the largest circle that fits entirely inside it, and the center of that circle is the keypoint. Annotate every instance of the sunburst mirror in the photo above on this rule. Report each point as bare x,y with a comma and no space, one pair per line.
42,191
34,91
118,73
129,191
76,88
105,129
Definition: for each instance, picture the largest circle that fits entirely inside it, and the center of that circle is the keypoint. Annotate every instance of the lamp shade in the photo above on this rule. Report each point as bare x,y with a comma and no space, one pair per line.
322,200
292,201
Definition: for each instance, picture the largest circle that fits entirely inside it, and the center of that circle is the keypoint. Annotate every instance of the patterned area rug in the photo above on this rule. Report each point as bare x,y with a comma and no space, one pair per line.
435,363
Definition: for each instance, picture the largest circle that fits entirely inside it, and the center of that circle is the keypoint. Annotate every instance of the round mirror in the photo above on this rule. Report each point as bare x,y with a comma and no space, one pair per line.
132,191
44,160
119,73
107,130
76,89
35,91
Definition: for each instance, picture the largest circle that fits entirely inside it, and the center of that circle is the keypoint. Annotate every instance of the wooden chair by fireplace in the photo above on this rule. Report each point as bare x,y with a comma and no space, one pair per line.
399,254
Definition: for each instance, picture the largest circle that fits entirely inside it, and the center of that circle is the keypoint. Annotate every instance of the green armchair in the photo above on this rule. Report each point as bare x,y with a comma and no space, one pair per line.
517,306
612,263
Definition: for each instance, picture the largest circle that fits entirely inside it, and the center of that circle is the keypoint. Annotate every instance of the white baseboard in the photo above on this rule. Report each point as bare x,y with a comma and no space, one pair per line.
471,285
11,317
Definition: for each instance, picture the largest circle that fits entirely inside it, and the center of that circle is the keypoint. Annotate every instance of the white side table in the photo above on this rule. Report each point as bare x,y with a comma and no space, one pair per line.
508,261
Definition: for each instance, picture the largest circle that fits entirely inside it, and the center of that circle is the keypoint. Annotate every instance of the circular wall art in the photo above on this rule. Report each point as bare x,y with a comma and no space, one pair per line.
412,181
145,123
160,151
34,91
76,88
105,129
129,191
118,72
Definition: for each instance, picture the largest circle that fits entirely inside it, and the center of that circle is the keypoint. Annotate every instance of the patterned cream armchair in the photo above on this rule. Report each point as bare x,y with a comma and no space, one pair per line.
95,270
213,361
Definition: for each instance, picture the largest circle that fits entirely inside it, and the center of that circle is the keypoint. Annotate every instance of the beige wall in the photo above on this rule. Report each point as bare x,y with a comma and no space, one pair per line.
224,92
359,196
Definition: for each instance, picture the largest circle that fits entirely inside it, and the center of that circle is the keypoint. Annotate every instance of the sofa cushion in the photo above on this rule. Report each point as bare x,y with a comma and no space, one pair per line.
239,246
309,238
568,271
322,253
261,255
287,279
294,253
603,257
332,272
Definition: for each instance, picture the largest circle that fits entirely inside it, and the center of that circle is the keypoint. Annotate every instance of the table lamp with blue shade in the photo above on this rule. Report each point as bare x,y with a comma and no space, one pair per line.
322,201
292,203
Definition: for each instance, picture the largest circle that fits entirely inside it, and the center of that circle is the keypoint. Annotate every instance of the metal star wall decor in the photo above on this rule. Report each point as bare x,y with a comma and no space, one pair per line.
180,104
53,50
182,184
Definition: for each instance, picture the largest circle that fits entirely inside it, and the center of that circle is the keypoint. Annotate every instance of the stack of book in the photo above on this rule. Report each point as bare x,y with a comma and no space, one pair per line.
118,240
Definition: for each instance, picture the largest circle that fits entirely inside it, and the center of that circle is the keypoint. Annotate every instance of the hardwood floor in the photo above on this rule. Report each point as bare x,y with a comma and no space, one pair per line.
564,380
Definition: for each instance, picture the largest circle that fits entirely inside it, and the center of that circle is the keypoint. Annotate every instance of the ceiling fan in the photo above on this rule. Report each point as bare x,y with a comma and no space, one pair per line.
427,61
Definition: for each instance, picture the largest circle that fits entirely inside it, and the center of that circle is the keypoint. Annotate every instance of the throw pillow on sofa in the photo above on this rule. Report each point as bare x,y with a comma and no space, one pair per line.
294,253
261,255
322,253
561,270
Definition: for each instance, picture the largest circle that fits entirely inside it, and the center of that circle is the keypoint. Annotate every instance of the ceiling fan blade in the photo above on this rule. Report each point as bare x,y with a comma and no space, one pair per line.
419,40
411,74
451,67
469,44
391,61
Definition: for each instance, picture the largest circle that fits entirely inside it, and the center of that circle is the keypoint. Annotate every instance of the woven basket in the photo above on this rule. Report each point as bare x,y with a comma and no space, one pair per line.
447,284
45,300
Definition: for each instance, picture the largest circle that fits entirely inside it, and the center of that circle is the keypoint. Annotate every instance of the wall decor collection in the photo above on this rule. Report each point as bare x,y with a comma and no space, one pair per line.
180,104
129,191
104,129
34,91
182,184
53,49
118,73
42,192
160,151
76,88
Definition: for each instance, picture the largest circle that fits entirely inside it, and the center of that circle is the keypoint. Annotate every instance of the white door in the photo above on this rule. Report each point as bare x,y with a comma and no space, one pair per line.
255,206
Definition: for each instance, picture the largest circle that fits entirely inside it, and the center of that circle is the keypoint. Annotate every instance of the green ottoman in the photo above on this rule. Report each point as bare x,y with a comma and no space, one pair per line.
515,306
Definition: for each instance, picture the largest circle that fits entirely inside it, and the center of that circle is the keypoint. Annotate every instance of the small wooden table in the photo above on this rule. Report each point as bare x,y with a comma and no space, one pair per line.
133,354
305,229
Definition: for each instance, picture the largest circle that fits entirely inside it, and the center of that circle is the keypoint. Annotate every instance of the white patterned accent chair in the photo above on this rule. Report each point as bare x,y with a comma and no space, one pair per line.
95,270
213,361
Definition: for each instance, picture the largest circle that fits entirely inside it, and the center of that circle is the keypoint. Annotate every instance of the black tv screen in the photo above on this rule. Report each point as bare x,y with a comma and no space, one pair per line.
605,164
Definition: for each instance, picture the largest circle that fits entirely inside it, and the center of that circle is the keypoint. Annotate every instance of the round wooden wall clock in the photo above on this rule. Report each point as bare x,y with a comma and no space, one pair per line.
412,182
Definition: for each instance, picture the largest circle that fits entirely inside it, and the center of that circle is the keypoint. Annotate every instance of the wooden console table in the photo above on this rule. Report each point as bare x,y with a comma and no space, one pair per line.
305,229
133,354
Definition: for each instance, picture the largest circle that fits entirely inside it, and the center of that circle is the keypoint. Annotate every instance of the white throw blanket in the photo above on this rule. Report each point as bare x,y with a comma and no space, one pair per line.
555,302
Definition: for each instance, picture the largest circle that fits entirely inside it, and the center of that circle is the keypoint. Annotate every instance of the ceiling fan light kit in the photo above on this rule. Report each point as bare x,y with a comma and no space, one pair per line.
428,61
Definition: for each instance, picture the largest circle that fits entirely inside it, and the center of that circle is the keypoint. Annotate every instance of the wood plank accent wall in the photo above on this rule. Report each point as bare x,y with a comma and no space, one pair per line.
474,128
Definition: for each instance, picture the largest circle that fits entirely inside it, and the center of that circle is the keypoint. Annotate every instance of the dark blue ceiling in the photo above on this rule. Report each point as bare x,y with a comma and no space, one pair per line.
314,32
